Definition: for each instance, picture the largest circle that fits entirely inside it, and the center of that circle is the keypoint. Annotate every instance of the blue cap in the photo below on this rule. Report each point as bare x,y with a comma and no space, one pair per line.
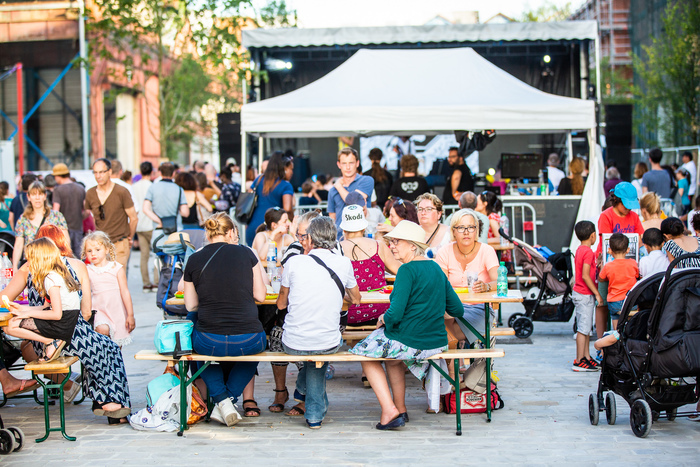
628,194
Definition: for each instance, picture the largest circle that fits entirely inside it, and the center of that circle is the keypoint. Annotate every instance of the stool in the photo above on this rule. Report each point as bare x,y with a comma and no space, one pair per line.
59,366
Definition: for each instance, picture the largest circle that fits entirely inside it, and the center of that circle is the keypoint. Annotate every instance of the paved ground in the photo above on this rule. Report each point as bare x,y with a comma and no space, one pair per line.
545,420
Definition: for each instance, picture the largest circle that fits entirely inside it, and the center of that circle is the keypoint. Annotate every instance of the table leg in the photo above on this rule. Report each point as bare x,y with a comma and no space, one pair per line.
500,319
47,421
183,396
458,399
487,344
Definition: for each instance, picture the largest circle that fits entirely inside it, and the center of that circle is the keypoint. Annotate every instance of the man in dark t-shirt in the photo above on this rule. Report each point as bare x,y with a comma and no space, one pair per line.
410,186
459,181
69,199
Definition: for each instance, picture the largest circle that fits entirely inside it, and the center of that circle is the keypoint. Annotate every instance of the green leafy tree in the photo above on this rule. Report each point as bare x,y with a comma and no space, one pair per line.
193,48
668,110
277,14
547,12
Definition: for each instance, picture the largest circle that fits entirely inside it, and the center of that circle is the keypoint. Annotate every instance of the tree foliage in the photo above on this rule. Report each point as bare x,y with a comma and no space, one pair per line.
669,72
276,14
547,12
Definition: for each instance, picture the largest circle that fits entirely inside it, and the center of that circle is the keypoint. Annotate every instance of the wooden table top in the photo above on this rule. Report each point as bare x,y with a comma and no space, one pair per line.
4,319
514,296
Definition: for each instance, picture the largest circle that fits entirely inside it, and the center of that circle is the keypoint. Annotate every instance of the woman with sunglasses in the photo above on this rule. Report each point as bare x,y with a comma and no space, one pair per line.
397,210
469,263
37,213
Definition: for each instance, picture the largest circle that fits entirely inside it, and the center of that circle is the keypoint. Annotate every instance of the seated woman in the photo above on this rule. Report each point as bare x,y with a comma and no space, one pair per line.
650,207
488,204
466,257
412,329
105,373
397,210
222,281
274,229
429,210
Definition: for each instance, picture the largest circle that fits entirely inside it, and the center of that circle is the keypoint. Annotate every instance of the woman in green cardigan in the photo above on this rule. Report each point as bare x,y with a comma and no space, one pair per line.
413,328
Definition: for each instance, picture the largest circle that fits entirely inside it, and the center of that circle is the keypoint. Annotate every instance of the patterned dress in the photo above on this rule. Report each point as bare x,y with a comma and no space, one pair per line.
24,228
105,373
370,275
672,247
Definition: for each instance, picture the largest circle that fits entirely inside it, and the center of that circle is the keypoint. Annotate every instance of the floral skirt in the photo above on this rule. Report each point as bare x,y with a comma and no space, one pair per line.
378,345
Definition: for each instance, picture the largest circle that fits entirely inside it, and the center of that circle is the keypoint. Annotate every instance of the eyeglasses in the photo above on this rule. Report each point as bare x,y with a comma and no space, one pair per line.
100,172
428,210
102,212
302,237
392,241
462,228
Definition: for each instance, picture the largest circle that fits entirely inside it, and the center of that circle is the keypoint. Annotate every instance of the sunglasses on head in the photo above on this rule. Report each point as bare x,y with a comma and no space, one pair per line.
102,212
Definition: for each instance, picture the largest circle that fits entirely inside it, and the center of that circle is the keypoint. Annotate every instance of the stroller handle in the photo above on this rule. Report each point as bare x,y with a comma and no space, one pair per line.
504,235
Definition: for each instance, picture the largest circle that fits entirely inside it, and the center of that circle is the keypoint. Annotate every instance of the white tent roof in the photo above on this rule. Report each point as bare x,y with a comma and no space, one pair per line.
447,89
302,37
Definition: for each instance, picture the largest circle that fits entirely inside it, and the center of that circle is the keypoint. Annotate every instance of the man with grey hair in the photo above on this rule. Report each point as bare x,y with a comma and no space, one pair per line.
554,173
468,201
313,289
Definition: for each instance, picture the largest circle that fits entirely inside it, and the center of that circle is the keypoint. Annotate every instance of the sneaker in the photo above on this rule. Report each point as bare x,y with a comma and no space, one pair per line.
229,412
583,365
598,357
593,363
216,415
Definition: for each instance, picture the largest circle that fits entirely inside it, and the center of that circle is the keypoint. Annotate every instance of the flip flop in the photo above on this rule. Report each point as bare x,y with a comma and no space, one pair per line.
250,411
298,409
23,387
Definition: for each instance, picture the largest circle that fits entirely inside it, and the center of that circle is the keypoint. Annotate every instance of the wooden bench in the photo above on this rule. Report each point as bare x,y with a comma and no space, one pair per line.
182,362
352,335
59,366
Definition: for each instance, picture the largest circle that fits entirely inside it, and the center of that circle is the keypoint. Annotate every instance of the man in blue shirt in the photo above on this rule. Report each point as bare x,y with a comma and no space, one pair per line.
165,200
351,180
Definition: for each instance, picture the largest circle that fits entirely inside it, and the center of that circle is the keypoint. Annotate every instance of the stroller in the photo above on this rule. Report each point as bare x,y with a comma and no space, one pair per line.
550,298
656,363
171,258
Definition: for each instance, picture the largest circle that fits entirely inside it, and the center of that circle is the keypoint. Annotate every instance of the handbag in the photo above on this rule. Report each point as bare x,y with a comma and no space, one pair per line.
169,224
472,402
174,337
159,386
198,407
475,376
246,203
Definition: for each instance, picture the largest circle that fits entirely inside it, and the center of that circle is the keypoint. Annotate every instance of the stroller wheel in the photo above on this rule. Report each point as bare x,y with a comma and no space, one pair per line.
610,408
593,409
523,327
640,418
7,442
19,437
671,414
513,317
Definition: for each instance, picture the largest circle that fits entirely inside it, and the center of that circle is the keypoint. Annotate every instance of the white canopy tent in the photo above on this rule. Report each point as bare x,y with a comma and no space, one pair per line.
450,89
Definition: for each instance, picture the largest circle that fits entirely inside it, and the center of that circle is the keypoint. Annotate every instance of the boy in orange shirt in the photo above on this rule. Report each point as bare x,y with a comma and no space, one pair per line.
621,274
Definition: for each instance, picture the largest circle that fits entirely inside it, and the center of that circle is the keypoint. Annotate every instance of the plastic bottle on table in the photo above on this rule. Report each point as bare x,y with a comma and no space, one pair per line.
7,265
502,282
504,224
271,260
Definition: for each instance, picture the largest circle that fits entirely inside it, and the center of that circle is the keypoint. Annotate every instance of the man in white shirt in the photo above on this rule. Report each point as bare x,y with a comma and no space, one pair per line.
144,228
689,165
554,174
314,304
117,171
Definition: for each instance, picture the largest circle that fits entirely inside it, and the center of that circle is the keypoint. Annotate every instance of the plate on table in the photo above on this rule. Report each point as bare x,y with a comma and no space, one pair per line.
271,296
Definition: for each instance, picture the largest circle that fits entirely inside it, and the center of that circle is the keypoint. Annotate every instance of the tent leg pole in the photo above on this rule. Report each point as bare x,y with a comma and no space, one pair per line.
261,151
244,172
569,146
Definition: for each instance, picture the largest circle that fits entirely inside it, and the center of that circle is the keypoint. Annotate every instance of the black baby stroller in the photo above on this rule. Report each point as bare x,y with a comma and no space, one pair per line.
550,298
656,363
171,257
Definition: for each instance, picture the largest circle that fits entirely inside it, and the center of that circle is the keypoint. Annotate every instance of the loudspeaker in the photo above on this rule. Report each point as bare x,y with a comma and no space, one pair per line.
618,125
623,157
229,136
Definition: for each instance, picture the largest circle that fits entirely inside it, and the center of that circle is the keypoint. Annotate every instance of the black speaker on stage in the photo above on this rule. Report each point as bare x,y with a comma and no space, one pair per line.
229,136
618,136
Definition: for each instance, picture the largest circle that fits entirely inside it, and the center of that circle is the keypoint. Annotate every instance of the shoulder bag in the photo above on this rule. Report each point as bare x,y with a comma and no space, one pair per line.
202,213
246,203
336,279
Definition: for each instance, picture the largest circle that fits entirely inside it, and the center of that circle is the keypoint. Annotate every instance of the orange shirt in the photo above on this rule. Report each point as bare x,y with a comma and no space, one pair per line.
621,275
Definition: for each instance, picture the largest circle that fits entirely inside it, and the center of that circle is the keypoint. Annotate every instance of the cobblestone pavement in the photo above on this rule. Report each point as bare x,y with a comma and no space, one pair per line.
545,420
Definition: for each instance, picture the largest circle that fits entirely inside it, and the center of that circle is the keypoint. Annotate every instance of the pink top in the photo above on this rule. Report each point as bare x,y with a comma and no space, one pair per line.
370,275
107,301
484,260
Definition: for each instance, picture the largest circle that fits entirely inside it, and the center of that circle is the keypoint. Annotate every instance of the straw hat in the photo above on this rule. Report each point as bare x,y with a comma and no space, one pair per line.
60,169
174,238
409,231
353,219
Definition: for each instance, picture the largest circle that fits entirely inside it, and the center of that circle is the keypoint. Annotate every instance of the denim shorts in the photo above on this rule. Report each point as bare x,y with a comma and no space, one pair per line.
614,308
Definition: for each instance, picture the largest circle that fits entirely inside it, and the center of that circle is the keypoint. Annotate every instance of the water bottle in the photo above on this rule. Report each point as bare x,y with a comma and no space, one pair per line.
371,230
504,224
3,281
271,260
330,371
502,283
7,264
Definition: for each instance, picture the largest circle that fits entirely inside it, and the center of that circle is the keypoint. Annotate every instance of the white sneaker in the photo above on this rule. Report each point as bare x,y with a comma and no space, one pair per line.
216,415
228,412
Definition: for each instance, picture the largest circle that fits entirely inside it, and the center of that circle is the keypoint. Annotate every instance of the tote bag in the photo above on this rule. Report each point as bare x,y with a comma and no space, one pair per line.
246,204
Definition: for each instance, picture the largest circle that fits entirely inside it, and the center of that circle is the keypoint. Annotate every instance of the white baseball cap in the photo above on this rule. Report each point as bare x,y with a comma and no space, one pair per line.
353,219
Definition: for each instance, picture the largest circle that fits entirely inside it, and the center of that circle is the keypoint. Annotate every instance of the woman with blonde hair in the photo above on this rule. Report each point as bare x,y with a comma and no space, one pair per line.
650,207
574,183
37,213
222,281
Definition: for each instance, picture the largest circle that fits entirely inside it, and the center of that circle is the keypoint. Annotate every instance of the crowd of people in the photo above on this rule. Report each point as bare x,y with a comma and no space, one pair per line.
376,223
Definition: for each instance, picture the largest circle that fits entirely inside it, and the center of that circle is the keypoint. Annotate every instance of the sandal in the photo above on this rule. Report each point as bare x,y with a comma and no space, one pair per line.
98,410
277,407
365,382
116,421
251,411
58,345
26,385
295,411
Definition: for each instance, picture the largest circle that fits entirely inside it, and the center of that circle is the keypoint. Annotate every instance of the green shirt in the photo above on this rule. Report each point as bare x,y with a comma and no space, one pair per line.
419,300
